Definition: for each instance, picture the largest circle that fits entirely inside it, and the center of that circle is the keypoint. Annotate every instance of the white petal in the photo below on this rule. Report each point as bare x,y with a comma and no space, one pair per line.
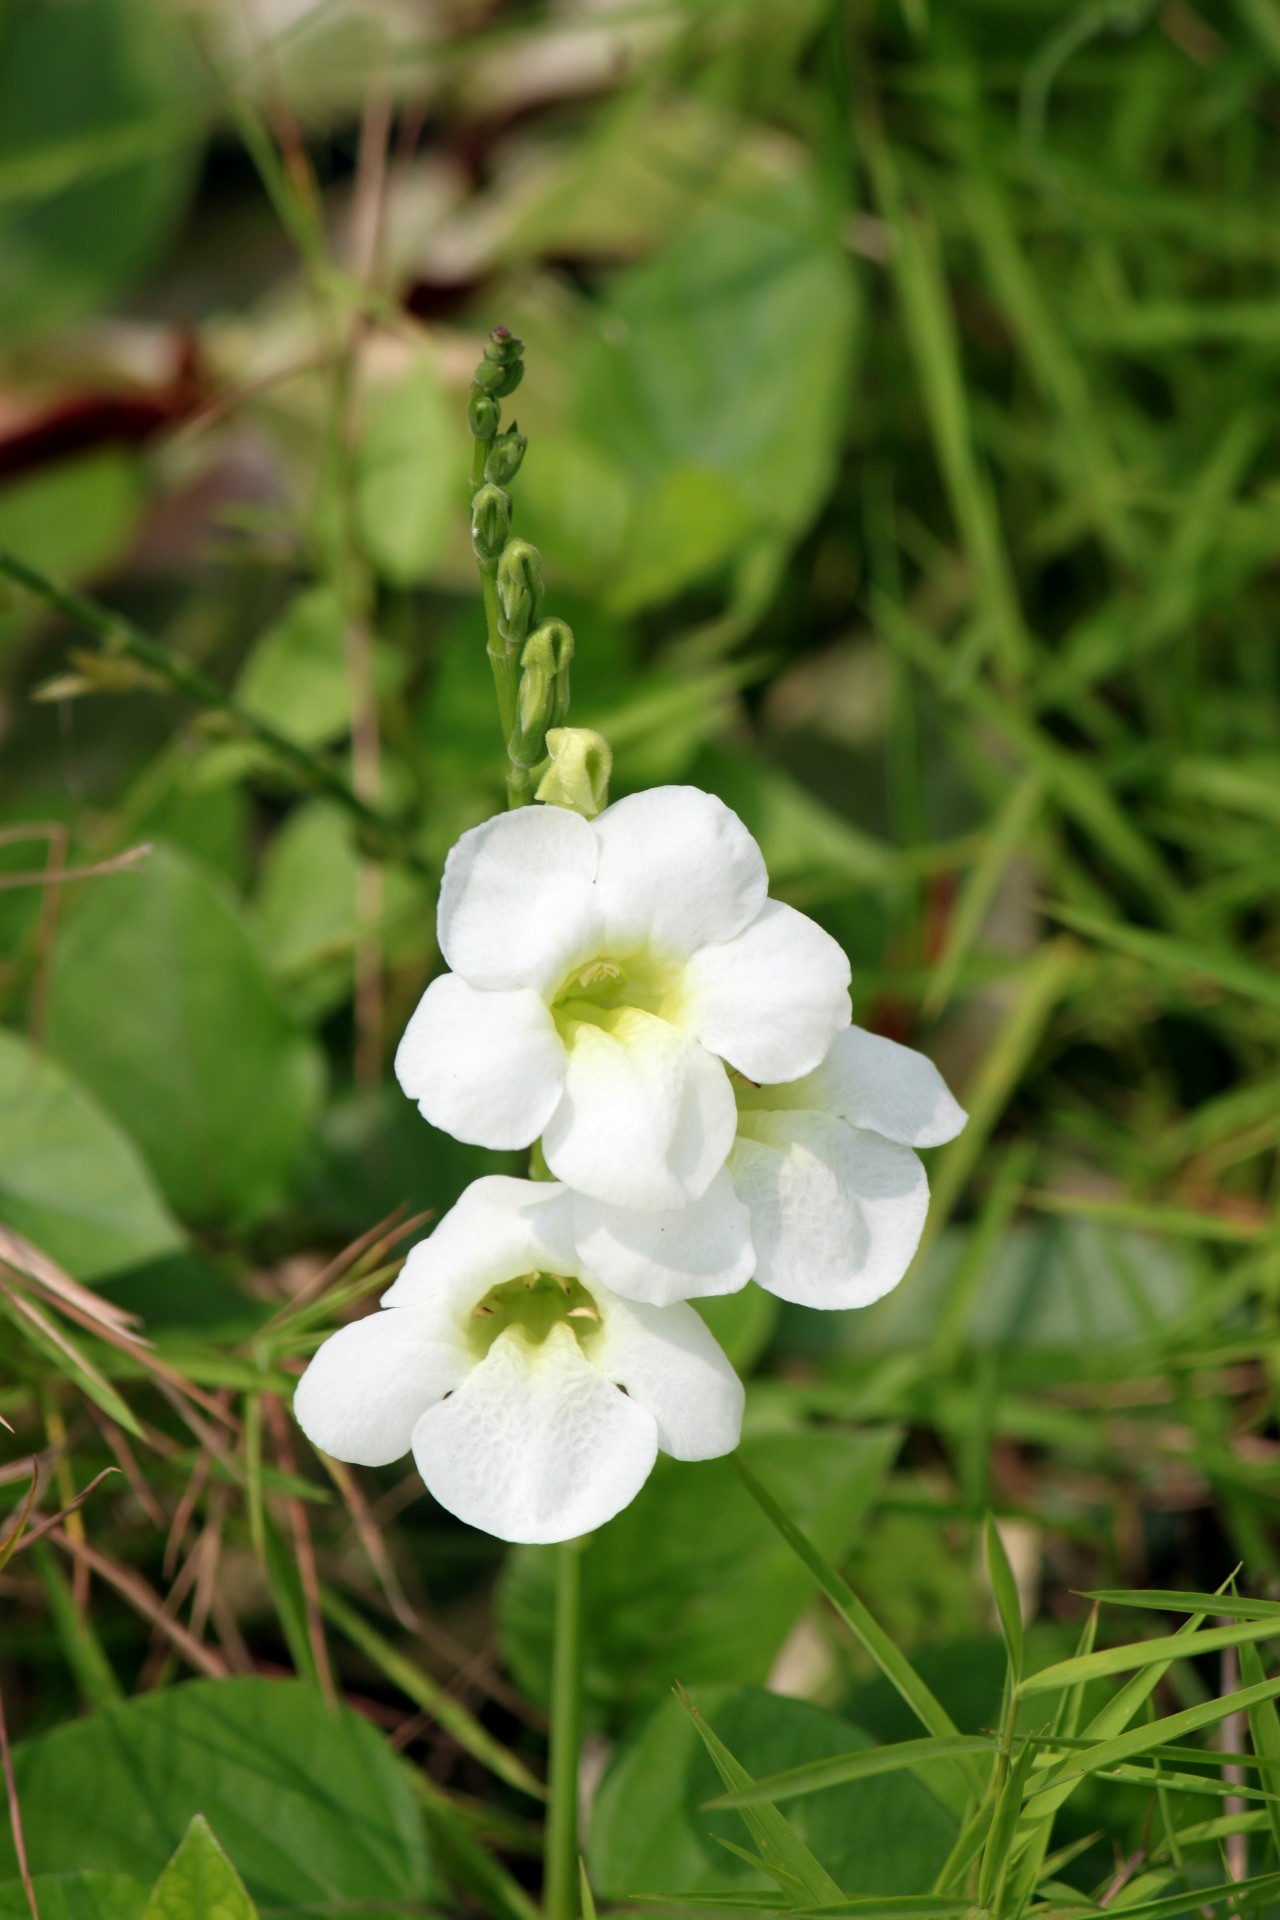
683,1253
677,869
647,1116
893,1090
485,1067
771,1001
499,1229
836,1213
671,1364
517,904
370,1383
536,1444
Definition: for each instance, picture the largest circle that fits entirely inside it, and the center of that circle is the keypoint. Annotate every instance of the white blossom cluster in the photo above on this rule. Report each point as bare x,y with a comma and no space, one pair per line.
625,998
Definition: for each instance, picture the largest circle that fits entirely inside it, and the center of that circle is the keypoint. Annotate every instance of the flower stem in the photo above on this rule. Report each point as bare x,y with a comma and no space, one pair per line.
119,637
560,1884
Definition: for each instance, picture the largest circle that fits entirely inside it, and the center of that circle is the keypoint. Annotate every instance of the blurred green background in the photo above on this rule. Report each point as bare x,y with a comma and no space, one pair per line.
902,410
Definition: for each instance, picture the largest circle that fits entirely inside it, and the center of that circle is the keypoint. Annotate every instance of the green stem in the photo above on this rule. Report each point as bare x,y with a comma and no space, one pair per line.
560,1899
122,637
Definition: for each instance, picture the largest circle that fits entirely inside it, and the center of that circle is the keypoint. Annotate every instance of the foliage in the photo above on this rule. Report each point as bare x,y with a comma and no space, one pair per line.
901,429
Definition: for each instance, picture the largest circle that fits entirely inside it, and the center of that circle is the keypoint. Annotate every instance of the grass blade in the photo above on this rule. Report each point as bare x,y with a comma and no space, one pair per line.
865,1764
894,1665
784,1855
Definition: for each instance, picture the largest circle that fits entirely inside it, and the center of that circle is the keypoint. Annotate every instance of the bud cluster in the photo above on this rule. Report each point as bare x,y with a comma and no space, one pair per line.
530,656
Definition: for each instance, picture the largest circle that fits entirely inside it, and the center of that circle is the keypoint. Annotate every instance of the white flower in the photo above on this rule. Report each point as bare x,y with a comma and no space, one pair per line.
602,973
825,1166
823,1200
533,1399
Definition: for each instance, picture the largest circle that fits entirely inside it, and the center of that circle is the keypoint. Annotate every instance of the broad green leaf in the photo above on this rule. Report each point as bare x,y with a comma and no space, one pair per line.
74,517
410,468
76,1896
312,1806
688,528
653,1832
761,279
70,1180
308,907
161,1006
199,1882
296,678
689,1582
94,74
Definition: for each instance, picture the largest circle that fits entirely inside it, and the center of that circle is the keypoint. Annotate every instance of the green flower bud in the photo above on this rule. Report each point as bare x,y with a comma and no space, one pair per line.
512,375
503,346
533,701
491,377
483,415
490,522
560,638
519,587
505,455
578,774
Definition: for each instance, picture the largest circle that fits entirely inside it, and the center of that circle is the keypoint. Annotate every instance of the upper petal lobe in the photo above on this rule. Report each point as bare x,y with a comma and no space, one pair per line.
771,1001
677,869
517,903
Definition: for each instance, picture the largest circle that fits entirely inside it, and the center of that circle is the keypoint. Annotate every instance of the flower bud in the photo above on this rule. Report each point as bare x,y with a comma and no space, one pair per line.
519,586
490,522
543,694
503,346
502,369
578,776
502,463
483,415
560,637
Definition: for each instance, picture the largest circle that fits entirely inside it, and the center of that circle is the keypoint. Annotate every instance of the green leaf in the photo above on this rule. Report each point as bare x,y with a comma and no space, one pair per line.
296,678
1004,1589
690,525
199,1882
1138,1740
70,1181
1264,1730
904,1756
97,75
783,1853
73,517
1145,1653
76,1896
312,1806
409,475
689,1582
674,378
894,1665
162,1007
652,1830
